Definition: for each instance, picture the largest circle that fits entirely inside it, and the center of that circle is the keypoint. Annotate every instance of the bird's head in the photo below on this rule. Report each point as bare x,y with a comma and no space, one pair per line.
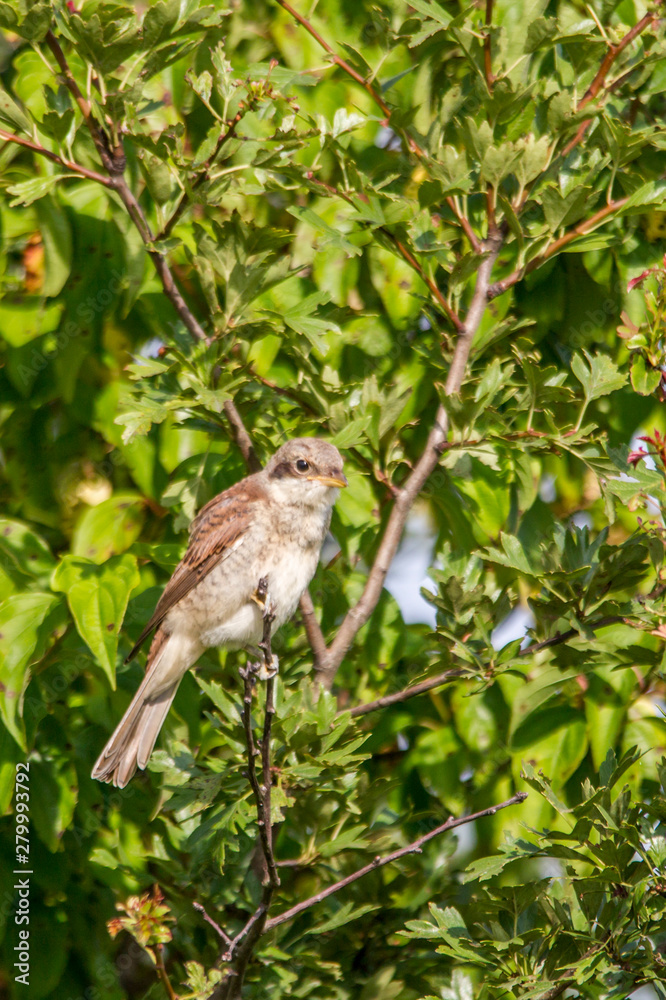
306,471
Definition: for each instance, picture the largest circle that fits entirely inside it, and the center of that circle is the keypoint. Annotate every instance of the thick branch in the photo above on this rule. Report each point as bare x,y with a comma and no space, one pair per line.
75,168
358,615
379,862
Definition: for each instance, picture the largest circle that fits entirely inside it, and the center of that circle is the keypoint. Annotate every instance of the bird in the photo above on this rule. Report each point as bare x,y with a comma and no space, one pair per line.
269,527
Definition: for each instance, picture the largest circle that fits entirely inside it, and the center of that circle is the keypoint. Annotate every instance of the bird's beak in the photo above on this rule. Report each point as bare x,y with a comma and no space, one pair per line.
336,480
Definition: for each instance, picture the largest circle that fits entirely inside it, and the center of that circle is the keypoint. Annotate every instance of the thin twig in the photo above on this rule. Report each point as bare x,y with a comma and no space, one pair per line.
409,692
204,175
162,973
378,862
598,82
573,633
262,793
581,229
239,950
409,141
243,439
406,254
114,162
216,927
487,55
377,98
75,168
413,690
474,315
432,286
312,628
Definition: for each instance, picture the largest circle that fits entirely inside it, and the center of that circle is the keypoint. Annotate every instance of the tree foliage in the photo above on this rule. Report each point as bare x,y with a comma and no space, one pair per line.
430,232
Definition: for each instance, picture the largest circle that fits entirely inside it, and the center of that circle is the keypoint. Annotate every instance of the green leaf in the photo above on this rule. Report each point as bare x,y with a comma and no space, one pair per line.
346,913
108,528
57,239
28,191
11,114
332,237
26,622
644,379
600,377
54,794
27,551
97,597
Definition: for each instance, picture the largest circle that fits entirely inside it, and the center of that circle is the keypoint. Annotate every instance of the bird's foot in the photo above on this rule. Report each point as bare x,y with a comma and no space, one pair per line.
267,671
260,596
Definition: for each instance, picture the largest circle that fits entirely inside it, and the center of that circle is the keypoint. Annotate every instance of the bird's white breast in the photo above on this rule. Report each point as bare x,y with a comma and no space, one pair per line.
220,610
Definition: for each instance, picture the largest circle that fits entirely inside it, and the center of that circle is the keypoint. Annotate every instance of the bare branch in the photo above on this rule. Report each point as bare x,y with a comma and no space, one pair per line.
358,615
75,168
413,848
262,793
409,692
216,927
243,439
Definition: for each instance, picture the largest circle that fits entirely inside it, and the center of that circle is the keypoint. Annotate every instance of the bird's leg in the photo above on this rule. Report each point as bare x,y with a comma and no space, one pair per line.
268,664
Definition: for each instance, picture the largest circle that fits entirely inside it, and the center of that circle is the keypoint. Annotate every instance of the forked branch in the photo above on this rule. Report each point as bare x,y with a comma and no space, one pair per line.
414,848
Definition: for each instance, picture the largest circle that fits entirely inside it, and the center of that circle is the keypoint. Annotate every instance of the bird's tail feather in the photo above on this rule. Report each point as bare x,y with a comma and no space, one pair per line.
134,738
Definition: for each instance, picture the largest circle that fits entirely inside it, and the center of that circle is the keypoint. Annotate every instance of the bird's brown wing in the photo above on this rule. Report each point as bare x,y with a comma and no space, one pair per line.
217,529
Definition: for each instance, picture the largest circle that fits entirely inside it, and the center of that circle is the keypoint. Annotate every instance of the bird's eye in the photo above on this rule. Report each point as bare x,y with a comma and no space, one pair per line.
302,465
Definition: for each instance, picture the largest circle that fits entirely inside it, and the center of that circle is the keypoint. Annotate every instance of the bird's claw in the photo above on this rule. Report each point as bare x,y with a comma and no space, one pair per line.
266,672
